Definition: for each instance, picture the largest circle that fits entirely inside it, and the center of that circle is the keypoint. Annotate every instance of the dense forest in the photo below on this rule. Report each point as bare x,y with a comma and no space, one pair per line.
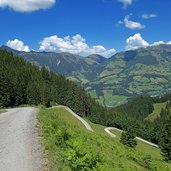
23,83
131,117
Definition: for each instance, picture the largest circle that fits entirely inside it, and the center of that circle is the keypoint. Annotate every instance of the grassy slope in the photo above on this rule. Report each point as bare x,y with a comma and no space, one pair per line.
146,148
156,112
113,155
2,110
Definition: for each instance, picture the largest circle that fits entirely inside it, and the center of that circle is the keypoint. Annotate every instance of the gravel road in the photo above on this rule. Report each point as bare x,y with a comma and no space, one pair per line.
108,129
88,127
19,143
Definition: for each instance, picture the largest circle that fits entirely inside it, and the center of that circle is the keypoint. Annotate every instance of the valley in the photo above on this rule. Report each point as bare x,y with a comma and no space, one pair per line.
112,81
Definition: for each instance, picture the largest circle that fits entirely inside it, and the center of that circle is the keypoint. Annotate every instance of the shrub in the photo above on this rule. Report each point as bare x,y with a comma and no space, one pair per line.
128,139
81,159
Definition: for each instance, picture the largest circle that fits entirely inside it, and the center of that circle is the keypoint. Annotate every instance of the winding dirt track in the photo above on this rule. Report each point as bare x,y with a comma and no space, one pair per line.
19,143
88,127
108,129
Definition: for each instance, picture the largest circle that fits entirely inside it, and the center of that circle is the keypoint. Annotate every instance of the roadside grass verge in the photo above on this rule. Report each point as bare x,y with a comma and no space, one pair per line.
28,105
71,147
2,110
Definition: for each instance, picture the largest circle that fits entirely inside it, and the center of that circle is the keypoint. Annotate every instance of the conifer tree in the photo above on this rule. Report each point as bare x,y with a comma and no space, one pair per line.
128,139
165,140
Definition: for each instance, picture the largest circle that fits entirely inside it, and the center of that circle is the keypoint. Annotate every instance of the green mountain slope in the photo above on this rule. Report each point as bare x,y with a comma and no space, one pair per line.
131,73
23,83
112,81
67,140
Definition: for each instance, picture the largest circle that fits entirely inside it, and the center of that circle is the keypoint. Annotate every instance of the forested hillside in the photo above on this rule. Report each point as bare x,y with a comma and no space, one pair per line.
113,81
131,117
24,83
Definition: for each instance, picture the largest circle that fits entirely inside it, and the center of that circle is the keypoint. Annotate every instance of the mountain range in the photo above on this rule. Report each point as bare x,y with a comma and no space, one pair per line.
112,81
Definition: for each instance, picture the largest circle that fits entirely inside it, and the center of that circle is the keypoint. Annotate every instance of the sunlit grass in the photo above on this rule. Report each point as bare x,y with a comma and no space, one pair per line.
156,112
113,154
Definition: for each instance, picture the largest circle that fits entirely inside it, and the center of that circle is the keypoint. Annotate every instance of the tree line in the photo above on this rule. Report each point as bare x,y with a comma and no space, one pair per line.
23,83
130,117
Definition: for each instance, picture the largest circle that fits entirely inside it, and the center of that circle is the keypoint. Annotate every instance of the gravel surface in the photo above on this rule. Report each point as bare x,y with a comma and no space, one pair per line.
88,127
108,129
19,141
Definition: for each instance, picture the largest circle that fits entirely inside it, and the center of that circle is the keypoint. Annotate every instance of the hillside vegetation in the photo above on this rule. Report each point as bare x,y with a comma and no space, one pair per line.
156,112
112,81
23,83
71,147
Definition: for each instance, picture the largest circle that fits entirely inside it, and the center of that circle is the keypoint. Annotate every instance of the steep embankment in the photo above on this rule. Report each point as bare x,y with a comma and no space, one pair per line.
88,127
67,140
107,130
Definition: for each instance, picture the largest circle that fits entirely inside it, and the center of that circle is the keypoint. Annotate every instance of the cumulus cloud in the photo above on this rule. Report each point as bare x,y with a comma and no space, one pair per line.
132,24
76,45
17,45
148,16
27,5
135,42
126,3
159,43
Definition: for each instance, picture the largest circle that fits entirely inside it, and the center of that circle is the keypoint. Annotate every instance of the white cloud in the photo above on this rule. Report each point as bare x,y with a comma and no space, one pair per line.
161,42
132,24
148,16
27,5
135,42
76,45
18,45
126,3
158,43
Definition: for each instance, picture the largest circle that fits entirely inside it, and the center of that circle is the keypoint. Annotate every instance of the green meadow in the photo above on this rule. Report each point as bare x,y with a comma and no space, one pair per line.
70,146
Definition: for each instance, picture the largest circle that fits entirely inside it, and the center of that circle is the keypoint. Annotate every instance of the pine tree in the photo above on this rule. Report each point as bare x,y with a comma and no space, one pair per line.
4,89
165,140
128,139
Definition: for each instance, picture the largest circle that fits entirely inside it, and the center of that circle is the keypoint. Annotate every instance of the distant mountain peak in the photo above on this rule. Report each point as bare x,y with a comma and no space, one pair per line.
96,57
7,48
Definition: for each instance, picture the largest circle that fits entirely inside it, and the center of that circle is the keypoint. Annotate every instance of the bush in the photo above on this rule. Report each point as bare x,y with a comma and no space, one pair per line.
81,159
62,136
128,139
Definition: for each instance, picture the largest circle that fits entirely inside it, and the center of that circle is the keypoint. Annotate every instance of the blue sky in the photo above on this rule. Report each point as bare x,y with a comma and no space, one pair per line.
84,26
